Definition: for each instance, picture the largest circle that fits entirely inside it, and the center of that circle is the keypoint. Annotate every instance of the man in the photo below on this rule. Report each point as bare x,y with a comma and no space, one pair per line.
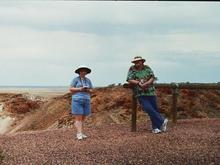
142,77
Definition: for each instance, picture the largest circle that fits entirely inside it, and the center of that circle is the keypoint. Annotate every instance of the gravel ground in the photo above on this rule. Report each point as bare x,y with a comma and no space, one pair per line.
187,142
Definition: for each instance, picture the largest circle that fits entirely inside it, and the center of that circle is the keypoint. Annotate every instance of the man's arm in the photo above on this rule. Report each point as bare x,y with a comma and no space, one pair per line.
134,82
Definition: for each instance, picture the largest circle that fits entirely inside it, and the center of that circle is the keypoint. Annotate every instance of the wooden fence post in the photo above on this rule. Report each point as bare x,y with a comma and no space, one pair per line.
133,106
175,92
134,113
174,102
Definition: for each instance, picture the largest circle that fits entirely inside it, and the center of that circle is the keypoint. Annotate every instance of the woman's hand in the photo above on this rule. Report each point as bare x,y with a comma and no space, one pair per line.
85,89
90,90
80,89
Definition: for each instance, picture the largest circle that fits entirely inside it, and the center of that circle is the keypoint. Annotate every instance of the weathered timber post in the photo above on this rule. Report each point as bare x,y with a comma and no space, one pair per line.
175,92
134,113
134,108
174,102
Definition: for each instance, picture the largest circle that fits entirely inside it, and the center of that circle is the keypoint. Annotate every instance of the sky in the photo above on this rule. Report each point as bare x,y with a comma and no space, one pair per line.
43,42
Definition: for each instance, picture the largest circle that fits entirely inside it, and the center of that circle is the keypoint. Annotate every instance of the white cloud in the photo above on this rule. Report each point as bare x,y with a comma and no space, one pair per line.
49,39
22,43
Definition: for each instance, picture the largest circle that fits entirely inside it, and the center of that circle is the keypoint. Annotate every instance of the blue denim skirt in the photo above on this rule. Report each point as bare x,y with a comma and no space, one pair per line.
81,106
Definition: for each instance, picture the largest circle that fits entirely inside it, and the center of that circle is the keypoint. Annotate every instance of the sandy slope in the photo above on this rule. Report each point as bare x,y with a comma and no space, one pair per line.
188,142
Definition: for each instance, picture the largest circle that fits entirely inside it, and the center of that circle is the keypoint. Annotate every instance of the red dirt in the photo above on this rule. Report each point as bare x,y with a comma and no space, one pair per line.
192,141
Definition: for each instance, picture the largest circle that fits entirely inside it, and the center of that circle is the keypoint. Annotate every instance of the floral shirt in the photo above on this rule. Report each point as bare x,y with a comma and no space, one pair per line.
142,75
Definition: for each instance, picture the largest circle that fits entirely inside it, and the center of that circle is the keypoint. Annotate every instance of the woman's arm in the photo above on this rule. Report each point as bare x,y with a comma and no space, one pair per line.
74,89
89,90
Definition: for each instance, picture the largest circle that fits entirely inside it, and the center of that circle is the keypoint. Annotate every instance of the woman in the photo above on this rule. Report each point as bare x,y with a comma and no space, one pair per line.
142,77
81,87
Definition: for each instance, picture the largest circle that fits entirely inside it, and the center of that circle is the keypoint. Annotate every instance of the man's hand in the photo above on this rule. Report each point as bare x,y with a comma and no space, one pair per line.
143,86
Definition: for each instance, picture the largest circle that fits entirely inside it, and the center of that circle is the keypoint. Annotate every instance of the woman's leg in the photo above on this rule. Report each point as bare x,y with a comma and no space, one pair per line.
83,121
81,107
77,111
86,112
78,123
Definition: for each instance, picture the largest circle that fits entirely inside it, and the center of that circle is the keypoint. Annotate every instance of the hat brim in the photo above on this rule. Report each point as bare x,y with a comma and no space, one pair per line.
87,70
138,60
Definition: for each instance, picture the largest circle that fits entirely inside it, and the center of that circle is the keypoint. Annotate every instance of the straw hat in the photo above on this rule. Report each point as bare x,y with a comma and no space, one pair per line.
83,67
138,58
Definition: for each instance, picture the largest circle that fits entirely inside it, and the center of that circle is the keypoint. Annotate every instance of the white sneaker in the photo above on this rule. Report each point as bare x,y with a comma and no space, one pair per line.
156,130
84,136
164,125
79,136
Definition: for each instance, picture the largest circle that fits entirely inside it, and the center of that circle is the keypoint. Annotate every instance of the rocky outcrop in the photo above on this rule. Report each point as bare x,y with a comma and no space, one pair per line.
19,104
111,105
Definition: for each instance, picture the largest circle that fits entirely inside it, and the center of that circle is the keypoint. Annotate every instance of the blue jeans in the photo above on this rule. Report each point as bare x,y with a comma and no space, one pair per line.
149,104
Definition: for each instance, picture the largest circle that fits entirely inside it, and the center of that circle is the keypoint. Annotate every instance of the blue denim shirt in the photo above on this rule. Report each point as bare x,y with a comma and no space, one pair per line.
77,82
